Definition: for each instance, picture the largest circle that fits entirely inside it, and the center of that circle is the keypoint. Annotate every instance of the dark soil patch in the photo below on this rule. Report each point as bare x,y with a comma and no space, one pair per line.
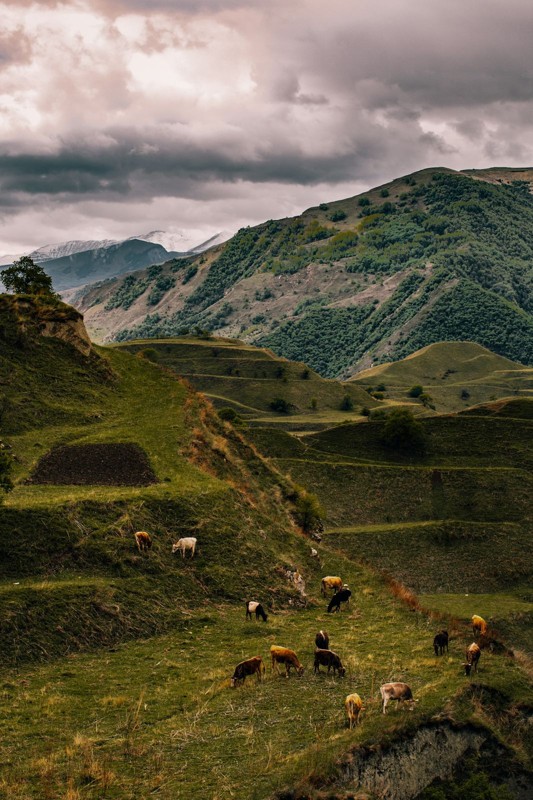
100,464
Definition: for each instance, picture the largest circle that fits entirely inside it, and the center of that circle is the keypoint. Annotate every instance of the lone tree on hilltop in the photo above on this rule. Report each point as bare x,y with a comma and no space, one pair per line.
27,277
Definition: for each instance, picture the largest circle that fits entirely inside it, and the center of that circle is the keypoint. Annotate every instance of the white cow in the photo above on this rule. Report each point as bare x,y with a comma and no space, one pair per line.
184,545
396,691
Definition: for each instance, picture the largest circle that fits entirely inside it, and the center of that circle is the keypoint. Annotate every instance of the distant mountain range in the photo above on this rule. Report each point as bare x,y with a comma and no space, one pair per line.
432,256
77,262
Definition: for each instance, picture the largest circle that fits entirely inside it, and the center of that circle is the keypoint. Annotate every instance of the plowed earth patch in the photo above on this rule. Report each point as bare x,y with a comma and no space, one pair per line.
95,464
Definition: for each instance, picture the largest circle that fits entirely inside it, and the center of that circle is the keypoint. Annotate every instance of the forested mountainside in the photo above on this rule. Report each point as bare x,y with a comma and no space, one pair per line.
437,255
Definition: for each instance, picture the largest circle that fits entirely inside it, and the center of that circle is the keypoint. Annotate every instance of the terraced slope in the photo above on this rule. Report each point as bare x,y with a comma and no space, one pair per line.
456,519
67,556
249,379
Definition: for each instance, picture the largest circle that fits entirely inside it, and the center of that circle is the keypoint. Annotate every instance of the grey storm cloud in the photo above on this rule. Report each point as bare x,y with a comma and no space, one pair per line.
131,101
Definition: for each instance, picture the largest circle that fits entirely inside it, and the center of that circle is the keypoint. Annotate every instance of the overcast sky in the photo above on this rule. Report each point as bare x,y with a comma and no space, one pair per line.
122,116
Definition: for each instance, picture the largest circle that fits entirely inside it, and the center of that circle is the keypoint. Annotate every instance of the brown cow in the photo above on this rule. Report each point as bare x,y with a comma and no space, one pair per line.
248,667
282,655
473,654
330,583
396,691
143,541
330,660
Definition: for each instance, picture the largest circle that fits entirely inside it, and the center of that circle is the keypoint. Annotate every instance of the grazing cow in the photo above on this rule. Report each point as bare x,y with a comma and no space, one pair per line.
314,553
322,640
341,597
479,626
396,691
354,706
440,643
248,667
143,541
330,583
473,654
253,607
282,655
330,660
188,544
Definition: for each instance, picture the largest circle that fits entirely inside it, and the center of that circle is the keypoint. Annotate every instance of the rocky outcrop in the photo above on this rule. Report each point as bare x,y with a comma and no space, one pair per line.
404,768
24,318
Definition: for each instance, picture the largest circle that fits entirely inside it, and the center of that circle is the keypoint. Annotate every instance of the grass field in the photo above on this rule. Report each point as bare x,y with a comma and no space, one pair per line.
148,717
116,664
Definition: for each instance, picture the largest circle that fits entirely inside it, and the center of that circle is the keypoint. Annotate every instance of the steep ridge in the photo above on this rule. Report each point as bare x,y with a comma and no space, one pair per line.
437,255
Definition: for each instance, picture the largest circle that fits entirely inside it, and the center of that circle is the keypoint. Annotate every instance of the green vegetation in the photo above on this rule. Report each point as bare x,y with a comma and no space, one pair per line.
403,432
116,664
249,379
26,277
454,254
456,375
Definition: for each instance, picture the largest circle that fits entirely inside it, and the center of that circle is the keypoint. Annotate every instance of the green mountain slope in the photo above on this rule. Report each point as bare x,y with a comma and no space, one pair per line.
437,255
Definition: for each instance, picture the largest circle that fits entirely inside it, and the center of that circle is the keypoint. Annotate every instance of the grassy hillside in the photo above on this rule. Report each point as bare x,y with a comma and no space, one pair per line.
456,375
116,664
64,546
248,379
437,255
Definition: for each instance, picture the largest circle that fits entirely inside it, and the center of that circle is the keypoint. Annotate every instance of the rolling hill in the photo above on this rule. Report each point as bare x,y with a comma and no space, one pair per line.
455,375
116,664
437,255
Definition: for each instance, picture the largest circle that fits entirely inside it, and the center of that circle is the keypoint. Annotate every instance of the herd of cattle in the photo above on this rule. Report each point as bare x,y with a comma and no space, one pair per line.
325,657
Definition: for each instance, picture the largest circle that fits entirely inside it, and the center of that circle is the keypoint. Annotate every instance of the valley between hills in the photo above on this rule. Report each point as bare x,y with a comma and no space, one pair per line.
117,663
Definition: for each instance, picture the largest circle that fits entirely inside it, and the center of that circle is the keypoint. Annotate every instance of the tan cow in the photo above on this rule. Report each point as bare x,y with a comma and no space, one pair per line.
330,583
282,655
354,706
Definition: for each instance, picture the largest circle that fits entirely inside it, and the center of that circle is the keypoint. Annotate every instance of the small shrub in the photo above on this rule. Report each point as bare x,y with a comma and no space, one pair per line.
364,201
338,216
323,206
190,272
465,394
308,512
416,390
381,387
384,193
346,403
365,411
280,406
227,414
149,353
304,375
